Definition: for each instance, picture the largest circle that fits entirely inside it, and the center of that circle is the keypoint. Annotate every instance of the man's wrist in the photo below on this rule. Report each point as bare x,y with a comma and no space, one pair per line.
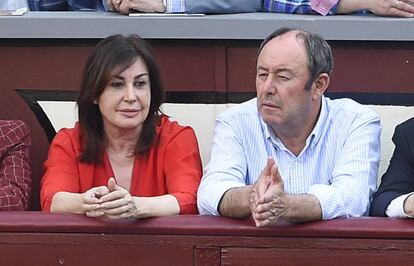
302,208
290,204
409,206
235,202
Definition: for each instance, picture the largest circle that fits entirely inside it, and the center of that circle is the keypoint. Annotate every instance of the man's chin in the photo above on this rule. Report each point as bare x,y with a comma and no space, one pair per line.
271,119
269,111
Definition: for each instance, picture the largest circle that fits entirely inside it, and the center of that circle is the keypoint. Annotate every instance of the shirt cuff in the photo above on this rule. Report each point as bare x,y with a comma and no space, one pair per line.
396,208
331,205
324,7
174,6
209,196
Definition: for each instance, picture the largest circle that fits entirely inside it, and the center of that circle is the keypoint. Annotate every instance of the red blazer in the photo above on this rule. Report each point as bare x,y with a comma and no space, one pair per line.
15,173
171,167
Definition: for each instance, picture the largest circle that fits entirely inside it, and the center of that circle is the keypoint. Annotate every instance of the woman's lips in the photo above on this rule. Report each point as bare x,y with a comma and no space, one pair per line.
129,112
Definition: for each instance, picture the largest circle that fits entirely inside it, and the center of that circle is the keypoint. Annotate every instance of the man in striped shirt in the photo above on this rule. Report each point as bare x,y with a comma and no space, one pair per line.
291,153
15,179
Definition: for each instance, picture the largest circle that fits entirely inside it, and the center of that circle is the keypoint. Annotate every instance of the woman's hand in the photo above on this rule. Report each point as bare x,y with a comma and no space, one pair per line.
87,203
118,203
92,203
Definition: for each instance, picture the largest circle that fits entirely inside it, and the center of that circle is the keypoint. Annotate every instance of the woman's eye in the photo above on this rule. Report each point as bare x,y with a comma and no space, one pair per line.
116,84
140,83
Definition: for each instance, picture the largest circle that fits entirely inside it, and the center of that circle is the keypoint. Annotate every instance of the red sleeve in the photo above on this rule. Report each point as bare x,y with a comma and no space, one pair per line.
182,167
15,173
61,167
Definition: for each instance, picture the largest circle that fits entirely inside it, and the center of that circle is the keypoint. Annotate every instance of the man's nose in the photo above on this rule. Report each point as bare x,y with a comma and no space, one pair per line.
270,84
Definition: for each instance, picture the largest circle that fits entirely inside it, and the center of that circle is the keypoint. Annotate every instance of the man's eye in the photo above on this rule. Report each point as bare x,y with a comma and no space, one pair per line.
262,75
283,78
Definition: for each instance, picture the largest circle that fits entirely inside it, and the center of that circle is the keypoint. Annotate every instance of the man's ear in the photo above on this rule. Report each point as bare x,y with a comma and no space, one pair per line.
320,85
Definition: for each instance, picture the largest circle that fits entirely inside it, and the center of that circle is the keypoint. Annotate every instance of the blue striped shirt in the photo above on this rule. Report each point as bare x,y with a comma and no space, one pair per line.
277,6
63,5
172,6
338,165
298,7
175,6
12,5
323,7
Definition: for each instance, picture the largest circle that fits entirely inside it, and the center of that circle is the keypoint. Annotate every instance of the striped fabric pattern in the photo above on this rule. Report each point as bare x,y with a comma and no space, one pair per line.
172,6
338,165
175,6
12,4
323,7
67,5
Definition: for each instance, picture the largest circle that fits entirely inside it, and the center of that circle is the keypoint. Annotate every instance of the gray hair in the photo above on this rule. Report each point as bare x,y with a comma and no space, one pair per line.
320,59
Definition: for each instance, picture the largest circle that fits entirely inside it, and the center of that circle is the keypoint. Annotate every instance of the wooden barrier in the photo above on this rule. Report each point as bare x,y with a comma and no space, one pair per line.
203,60
36,238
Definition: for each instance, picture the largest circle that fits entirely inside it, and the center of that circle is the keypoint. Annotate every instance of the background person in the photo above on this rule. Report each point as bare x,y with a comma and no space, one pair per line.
123,159
395,195
169,6
15,173
398,8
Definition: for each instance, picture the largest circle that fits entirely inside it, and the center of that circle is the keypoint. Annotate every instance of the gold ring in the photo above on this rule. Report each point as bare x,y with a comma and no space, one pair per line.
396,3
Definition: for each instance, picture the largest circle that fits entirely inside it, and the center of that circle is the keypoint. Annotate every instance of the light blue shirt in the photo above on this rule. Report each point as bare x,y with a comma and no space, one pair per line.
339,164
12,4
214,6
175,6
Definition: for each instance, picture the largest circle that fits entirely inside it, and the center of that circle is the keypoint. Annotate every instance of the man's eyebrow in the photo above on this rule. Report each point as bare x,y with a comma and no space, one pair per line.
279,70
262,68
288,70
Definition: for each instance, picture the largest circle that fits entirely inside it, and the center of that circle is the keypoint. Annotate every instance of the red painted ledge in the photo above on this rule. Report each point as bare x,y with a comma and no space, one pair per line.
366,227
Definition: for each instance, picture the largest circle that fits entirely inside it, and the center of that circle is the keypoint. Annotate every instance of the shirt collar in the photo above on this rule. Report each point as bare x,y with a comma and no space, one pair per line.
270,135
318,130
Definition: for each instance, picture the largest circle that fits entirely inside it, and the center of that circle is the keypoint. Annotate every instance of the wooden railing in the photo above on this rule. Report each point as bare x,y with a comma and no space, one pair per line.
36,238
206,60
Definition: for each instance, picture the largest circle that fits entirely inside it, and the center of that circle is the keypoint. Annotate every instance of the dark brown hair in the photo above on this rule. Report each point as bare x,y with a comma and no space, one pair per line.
115,53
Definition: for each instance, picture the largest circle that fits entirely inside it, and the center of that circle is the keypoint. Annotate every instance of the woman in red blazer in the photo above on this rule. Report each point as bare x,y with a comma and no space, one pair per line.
124,158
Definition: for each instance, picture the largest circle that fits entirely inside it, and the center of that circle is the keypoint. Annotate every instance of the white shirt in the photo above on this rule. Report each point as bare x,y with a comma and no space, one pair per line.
12,4
338,165
396,207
